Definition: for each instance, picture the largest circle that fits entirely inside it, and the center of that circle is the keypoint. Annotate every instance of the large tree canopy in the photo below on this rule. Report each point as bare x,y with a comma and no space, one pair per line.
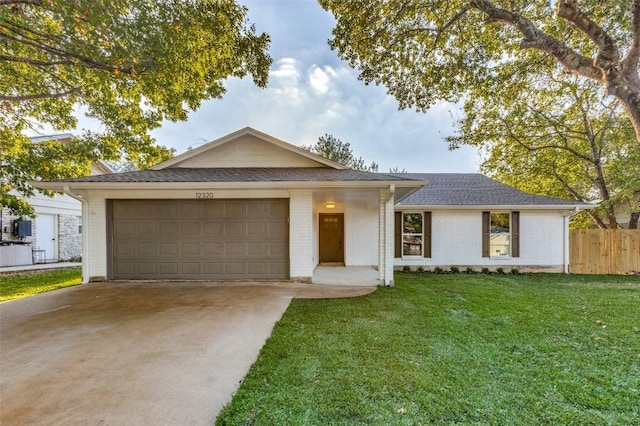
128,63
429,50
550,89
334,149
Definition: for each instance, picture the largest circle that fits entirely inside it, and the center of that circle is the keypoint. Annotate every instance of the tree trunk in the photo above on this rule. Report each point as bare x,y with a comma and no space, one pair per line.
633,220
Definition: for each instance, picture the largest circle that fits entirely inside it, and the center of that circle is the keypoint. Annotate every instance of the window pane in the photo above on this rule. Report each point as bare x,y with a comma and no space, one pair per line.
412,223
412,245
500,234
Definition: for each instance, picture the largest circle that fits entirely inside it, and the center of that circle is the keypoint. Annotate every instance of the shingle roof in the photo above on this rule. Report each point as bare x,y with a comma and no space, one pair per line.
224,175
469,189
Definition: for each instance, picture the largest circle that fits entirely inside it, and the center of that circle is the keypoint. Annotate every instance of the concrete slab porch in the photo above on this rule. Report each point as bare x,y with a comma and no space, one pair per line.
361,276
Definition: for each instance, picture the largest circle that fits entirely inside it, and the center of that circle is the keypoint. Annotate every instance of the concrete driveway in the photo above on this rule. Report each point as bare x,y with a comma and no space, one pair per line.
136,353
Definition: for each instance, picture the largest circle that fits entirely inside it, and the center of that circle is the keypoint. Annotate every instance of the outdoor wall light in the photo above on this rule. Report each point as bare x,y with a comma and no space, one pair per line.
330,205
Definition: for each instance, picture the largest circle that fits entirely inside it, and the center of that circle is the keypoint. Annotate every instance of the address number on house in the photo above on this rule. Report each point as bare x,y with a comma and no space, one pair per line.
204,195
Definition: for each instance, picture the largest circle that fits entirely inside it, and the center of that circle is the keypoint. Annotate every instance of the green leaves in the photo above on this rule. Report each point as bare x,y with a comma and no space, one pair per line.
130,64
334,149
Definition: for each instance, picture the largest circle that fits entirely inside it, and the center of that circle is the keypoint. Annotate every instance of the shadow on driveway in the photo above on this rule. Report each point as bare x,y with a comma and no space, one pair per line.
137,353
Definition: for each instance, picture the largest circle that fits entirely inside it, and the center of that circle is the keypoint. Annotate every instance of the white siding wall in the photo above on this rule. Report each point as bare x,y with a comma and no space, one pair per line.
301,232
361,240
457,240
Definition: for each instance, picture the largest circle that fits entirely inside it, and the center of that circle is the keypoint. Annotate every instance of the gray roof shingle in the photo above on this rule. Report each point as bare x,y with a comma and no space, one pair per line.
469,189
225,175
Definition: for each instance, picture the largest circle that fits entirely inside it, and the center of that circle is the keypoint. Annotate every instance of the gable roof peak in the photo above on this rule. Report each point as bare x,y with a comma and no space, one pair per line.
237,136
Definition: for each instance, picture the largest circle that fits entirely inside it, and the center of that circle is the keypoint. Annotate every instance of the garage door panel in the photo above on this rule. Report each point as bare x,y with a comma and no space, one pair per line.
234,248
234,208
234,229
168,268
199,239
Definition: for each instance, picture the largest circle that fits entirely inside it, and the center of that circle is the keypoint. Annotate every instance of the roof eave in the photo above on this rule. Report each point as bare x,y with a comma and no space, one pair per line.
59,186
496,206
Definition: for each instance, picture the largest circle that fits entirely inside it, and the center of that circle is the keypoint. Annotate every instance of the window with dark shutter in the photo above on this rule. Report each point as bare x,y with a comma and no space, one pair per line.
397,247
486,233
427,234
515,234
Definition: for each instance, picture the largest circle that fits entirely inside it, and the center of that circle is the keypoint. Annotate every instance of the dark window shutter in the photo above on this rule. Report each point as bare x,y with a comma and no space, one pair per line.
397,248
486,233
515,234
426,226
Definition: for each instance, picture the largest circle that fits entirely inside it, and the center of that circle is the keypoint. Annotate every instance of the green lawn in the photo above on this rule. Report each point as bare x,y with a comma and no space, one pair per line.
453,349
23,284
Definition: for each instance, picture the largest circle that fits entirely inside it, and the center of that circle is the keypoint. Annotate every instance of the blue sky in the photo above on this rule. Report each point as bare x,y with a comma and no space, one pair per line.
312,92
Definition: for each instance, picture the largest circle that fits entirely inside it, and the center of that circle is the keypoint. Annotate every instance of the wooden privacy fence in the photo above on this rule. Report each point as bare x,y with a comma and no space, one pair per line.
604,251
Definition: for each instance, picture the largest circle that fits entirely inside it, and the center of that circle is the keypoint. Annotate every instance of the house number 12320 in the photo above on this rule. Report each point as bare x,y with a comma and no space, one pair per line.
204,195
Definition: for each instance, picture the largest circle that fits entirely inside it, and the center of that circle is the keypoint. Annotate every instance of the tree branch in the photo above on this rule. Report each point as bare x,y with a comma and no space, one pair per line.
633,56
34,62
533,38
39,96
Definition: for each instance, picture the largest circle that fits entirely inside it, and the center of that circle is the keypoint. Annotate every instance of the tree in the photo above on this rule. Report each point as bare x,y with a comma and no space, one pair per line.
559,137
335,150
428,50
129,63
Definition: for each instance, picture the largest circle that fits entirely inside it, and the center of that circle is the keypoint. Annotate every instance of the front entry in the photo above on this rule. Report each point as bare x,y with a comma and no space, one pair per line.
331,238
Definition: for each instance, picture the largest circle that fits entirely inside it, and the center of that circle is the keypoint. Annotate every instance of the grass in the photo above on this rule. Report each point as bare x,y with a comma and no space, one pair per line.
24,284
453,349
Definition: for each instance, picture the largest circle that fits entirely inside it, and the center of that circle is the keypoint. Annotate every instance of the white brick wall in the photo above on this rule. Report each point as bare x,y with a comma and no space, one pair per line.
301,232
95,238
457,240
361,242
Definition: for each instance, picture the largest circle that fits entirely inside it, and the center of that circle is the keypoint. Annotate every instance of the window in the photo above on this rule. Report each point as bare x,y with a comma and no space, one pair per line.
412,234
79,224
500,234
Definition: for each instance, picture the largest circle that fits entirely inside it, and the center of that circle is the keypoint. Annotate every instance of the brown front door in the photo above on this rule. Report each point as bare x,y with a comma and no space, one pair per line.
332,238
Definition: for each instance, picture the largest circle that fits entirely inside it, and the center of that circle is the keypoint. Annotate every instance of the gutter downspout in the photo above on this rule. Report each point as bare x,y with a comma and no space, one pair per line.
566,218
85,226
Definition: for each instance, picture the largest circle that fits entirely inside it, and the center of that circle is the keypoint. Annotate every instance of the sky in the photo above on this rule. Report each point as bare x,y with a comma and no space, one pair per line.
312,92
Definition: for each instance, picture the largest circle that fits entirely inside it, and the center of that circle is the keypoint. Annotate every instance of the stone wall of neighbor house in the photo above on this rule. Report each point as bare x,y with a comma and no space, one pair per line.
69,239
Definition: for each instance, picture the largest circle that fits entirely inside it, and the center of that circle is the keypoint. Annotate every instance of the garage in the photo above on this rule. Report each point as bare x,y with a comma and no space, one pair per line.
211,239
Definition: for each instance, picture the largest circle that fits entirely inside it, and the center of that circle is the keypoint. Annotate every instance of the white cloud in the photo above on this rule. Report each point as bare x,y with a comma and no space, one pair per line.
319,80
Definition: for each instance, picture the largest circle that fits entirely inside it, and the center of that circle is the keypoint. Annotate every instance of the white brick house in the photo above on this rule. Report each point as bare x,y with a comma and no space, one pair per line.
56,229
249,206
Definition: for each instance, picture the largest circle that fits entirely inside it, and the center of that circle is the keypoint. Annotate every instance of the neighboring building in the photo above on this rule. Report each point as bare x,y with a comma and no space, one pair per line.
55,234
624,211
249,206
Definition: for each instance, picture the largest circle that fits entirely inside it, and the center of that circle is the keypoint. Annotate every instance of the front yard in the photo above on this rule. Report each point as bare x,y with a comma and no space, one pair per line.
23,284
449,349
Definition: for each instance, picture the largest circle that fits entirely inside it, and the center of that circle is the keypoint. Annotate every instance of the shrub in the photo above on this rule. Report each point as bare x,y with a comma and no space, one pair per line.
500,271
469,270
515,271
406,268
438,270
455,270
420,270
486,271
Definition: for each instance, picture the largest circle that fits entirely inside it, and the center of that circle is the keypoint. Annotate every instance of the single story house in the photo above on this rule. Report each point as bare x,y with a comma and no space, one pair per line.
249,206
54,234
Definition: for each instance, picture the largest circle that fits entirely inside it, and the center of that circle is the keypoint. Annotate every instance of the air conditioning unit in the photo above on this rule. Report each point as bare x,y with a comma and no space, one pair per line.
22,228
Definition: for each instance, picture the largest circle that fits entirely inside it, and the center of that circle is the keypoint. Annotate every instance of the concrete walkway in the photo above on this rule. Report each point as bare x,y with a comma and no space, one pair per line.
169,353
